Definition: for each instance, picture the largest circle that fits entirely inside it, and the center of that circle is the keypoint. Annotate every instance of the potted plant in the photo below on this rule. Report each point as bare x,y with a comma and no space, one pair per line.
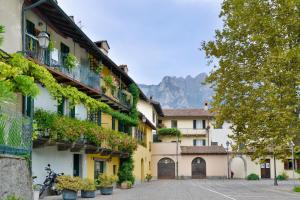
148,177
88,189
70,61
126,185
69,186
105,183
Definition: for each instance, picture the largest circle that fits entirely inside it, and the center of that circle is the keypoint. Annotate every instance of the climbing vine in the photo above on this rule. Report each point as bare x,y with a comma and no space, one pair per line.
21,73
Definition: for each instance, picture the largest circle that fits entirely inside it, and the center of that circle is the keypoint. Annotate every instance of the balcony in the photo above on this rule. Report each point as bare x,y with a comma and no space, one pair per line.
193,132
54,60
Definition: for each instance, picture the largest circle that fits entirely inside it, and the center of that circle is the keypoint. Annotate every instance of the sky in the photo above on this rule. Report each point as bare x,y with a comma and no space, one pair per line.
155,38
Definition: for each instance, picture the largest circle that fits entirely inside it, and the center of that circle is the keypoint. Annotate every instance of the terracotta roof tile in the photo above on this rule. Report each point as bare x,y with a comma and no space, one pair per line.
203,150
189,112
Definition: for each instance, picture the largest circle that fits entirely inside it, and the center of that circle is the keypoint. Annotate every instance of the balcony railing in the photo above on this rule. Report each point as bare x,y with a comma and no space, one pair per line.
54,59
15,133
191,131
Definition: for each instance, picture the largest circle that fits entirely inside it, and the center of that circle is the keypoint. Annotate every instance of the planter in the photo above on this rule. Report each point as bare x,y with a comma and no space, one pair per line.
36,195
88,194
69,195
106,190
126,185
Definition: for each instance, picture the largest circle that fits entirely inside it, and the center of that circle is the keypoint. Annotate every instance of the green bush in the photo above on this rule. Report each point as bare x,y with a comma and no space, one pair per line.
12,197
252,177
169,132
282,177
297,189
125,171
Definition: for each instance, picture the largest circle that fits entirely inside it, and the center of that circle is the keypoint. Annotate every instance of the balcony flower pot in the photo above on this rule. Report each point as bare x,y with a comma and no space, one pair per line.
88,194
69,194
106,190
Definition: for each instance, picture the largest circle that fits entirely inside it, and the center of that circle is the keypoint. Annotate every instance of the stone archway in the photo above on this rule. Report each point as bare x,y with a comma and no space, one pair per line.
238,165
166,168
198,168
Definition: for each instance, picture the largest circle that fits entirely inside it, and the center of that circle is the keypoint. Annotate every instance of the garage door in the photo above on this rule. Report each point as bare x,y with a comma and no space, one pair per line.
166,168
198,168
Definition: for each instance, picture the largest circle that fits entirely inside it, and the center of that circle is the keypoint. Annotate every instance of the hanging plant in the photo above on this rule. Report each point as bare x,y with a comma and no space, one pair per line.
99,68
51,46
70,61
109,82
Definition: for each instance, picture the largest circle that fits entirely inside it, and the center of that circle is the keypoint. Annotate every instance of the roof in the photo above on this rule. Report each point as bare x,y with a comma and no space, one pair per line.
187,112
148,122
64,25
203,150
157,107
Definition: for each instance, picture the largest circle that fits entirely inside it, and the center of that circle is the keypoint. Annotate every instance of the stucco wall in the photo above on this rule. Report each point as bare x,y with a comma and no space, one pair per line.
10,17
220,135
147,109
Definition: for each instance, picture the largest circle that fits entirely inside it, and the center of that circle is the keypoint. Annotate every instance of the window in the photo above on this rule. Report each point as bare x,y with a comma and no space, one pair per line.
72,112
140,135
64,52
30,27
61,107
95,117
28,106
113,123
173,123
288,165
203,124
153,117
197,124
98,168
199,142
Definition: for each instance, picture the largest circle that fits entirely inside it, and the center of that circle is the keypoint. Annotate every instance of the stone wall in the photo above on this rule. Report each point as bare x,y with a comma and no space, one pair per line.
15,177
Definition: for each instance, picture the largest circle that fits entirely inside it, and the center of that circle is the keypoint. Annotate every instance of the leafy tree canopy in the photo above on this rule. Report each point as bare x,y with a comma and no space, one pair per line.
257,78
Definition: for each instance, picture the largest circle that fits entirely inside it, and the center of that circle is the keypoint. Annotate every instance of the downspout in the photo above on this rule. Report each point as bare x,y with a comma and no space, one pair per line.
26,8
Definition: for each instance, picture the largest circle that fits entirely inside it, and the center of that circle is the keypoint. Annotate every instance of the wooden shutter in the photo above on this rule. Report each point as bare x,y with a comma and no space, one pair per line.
203,124
113,125
298,164
194,124
204,142
61,106
99,119
28,106
72,112
194,142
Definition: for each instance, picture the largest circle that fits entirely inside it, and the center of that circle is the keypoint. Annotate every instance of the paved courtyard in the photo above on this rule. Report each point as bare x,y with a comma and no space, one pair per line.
205,190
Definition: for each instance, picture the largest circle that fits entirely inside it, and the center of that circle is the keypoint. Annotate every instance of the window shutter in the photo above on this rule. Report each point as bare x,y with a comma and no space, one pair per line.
194,141
113,123
286,164
72,112
30,27
60,107
204,142
298,164
99,119
27,106
194,124
203,124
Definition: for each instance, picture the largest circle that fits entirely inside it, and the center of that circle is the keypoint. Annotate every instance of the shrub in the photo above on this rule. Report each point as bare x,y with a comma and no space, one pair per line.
88,185
12,197
169,132
69,183
282,177
125,171
105,180
148,177
297,189
252,177
70,61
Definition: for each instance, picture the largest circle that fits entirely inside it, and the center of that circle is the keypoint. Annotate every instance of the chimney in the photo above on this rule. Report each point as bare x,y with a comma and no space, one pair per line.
206,106
72,17
124,68
103,46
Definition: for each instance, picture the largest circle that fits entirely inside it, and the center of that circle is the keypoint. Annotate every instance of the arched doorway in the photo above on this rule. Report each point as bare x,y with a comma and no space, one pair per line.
198,168
238,167
142,170
166,169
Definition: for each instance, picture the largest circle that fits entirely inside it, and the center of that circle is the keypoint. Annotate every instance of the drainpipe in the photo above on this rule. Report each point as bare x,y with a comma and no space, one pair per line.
26,8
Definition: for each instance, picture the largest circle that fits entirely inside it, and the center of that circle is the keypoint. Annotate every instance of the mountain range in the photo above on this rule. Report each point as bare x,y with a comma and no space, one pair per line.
180,92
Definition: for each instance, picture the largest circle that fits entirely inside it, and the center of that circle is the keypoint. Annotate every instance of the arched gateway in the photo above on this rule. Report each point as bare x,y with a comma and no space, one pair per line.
166,169
198,168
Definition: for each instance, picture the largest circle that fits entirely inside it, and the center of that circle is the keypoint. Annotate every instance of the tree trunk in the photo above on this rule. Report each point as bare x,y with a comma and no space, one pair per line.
275,172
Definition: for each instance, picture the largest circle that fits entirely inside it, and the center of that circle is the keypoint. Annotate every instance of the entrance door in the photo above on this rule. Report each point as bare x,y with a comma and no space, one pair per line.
198,168
166,169
77,165
265,169
142,170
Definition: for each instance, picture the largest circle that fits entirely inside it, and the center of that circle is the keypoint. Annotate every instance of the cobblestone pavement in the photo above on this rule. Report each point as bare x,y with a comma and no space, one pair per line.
204,190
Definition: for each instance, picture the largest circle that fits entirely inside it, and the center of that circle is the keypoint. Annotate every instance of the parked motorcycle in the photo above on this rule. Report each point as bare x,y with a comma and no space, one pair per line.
48,187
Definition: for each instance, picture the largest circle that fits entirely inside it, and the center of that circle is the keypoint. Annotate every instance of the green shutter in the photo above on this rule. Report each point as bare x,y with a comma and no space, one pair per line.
99,119
194,142
29,106
72,112
194,124
113,123
60,107
204,142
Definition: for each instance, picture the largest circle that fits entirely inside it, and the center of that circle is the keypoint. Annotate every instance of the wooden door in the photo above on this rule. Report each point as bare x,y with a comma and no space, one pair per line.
198,168
166,169
265,170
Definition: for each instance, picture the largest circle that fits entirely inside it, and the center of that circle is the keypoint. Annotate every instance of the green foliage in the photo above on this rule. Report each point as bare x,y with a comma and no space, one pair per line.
88,185
3,119
297,189
18,65
99,68
257,77
51,46
70,61
109,82
105,180
72,130
2,30
15,132
148,177
6,94
252,177
283,176
69,183
26,84
125,172
169,132
13,197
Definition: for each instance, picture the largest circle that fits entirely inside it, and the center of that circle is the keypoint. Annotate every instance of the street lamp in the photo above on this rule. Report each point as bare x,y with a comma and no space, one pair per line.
227,148
43,39
293,158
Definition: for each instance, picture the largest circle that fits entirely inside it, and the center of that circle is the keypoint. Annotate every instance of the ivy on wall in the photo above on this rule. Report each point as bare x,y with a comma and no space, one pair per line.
169,132
21,73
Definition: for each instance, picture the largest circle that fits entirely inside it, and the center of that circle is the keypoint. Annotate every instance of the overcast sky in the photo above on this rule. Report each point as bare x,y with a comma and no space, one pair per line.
154,38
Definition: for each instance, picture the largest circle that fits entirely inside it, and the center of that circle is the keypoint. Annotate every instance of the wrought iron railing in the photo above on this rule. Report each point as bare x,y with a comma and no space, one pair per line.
192,131
55,59
15,133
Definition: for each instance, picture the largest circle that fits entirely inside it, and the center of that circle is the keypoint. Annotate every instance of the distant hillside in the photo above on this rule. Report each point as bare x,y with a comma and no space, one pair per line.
179,92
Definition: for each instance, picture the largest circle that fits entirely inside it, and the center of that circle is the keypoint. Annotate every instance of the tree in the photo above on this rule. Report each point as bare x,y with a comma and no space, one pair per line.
1,32
257,77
